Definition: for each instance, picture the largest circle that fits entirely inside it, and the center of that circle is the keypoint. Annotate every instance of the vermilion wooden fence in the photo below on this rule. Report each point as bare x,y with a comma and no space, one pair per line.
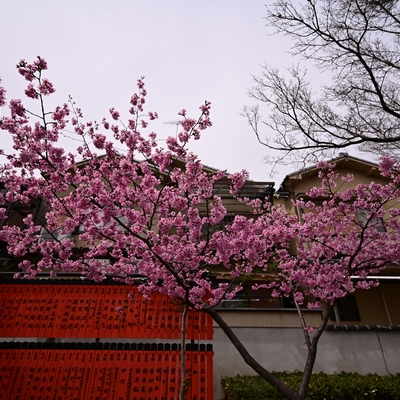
97,371
65,310
72,311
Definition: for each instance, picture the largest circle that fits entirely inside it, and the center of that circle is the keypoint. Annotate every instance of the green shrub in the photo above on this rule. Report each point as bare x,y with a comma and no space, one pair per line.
343,386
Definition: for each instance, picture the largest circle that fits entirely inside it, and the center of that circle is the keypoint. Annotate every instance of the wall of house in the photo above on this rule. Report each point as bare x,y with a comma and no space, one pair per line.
376,306
360,176
280,349
391,292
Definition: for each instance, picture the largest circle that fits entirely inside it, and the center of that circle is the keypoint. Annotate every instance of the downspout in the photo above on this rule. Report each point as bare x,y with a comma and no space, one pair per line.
385,306
337,316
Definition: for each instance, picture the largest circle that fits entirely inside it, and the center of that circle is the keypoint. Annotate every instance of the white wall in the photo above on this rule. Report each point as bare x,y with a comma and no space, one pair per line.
280,349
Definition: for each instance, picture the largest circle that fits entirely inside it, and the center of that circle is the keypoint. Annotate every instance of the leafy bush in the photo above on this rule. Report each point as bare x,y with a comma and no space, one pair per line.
343,386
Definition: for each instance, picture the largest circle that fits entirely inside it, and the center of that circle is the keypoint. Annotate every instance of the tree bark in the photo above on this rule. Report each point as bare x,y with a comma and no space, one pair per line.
249,360
312,355
183,388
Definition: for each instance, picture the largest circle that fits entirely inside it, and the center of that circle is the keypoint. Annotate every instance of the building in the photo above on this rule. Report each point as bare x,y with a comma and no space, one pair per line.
377,306
362,336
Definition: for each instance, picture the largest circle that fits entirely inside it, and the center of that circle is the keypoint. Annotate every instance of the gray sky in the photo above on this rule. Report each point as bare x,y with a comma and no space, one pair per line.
188,51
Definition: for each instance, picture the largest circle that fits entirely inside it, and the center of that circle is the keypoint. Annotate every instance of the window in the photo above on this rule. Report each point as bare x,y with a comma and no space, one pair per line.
208,229
16,214
3,221
250,298
55,235
288,302
122,219
347,309
306,210
363,217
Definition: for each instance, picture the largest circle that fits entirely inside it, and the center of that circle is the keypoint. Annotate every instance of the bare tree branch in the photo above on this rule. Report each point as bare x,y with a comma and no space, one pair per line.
358,43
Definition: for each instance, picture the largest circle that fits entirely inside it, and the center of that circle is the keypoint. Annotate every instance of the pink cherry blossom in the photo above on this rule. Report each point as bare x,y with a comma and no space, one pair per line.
115,114
2,95
133,208
46,87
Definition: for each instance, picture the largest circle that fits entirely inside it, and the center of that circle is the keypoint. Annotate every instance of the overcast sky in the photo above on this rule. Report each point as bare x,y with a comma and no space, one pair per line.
188,52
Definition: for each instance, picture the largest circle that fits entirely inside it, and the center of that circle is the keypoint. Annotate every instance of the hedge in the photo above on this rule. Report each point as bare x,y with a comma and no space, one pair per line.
343,386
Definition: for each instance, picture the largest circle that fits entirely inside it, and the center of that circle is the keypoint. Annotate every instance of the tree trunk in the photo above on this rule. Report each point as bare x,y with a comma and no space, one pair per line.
312,355
249,360
183,388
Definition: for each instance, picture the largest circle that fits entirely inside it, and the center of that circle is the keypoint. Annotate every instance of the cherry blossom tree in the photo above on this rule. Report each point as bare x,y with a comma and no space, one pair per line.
154,213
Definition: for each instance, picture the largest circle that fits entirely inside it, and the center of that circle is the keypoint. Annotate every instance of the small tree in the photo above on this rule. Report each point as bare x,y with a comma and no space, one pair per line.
159,217
355,44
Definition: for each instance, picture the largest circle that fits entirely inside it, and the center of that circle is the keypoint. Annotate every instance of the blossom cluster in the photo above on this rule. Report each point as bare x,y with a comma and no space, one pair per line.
153,213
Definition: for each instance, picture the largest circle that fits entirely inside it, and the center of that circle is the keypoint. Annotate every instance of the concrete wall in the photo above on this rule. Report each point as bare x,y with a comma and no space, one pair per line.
280,349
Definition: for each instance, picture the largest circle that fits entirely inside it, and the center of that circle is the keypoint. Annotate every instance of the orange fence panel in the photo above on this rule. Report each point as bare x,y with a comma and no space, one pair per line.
94,311
7,371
